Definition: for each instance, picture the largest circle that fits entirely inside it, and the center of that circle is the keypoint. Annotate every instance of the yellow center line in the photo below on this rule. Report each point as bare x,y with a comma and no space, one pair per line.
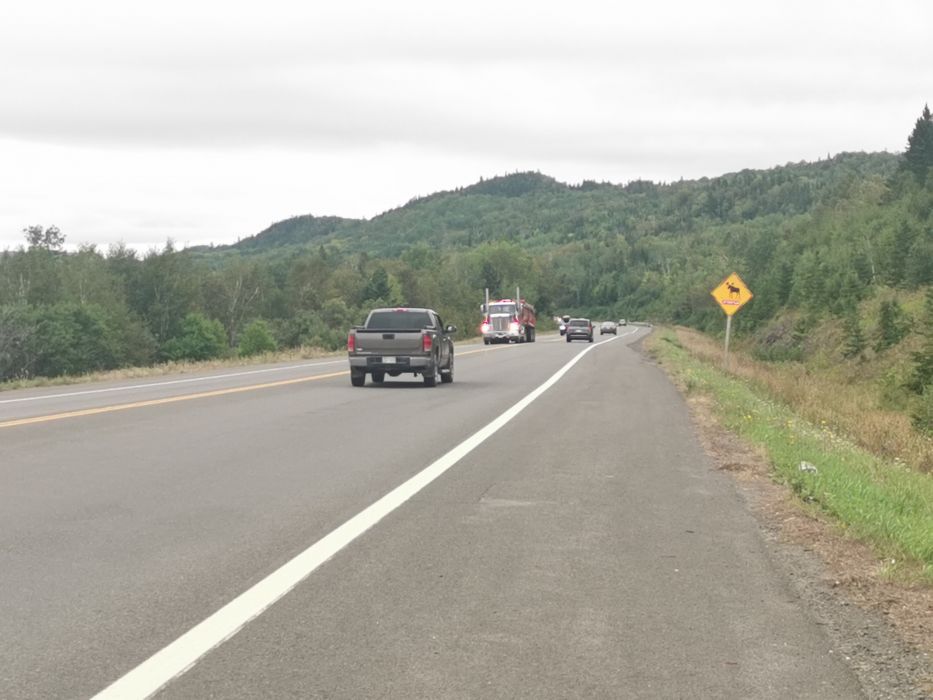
473,352
159,402
185,397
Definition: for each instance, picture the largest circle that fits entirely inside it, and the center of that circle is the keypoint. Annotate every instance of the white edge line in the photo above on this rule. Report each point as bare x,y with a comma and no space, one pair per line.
180,655
170,382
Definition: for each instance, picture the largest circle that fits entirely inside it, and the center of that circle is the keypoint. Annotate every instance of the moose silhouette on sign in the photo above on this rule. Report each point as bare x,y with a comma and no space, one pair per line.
733,290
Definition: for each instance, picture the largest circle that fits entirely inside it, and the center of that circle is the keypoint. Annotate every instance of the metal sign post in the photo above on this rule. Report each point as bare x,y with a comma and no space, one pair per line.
725,360
732,294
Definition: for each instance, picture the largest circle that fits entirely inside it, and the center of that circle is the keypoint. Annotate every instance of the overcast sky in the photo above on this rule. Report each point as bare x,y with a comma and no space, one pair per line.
207,121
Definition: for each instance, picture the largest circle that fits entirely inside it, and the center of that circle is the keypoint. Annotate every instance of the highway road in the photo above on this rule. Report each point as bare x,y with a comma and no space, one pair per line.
547,526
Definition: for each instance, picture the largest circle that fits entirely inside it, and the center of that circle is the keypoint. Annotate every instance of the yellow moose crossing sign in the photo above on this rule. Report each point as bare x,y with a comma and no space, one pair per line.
732,294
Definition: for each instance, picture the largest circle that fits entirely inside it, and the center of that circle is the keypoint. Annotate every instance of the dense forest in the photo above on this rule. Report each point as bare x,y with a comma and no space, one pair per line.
812,240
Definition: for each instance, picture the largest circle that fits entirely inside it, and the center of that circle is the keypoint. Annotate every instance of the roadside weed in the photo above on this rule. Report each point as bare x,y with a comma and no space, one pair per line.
875,499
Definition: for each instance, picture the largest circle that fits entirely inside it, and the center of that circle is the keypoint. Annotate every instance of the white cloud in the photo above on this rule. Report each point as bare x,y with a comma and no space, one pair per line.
207,121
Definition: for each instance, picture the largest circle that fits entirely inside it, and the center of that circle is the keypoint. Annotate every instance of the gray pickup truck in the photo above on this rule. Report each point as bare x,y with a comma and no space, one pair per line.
396,341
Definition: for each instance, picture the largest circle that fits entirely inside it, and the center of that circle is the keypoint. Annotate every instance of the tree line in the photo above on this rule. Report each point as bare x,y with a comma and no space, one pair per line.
812,240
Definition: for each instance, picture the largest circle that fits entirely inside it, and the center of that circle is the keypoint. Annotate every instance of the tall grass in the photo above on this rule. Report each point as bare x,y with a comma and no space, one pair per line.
848,403
877,499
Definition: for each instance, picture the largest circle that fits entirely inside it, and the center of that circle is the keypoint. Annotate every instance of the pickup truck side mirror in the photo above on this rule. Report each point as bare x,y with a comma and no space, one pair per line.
450,329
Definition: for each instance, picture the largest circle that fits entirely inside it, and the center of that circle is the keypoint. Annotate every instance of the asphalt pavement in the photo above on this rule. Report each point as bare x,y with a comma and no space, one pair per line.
581,546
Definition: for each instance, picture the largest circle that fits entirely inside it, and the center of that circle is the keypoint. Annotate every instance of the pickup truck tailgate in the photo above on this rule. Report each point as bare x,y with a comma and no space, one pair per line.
377,342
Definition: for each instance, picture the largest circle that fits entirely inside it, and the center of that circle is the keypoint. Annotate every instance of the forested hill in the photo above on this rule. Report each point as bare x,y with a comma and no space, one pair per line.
540,212
842,239
298,230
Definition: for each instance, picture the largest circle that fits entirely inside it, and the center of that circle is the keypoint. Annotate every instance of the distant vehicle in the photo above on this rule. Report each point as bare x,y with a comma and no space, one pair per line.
564,320
580,328
623,322
508,320
607,327
397,341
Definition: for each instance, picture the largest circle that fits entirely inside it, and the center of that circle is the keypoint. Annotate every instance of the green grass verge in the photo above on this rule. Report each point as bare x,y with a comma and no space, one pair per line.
880,502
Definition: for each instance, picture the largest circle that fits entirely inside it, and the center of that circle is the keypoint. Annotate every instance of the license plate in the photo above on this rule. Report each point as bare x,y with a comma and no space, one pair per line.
388,360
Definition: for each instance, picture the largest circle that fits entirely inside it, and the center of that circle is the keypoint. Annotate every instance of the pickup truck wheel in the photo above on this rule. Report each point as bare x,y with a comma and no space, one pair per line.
357,377
431,376
568,338
447,375
379,377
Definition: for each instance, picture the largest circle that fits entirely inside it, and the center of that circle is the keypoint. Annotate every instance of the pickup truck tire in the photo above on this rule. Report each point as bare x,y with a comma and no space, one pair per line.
431,375
568,338
447,374
379,377
357,377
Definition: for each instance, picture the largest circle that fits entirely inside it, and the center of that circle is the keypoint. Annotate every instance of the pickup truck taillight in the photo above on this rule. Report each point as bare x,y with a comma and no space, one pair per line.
426,342
351,342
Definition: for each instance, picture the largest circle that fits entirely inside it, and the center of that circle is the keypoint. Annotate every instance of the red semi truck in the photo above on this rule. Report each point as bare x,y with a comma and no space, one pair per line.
508,320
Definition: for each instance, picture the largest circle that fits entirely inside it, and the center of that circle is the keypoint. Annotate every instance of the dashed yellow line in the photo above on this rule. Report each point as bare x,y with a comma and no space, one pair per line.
185,397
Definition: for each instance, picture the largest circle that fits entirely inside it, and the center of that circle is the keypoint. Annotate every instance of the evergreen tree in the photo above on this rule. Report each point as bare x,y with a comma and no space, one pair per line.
919,156
377,288
894,260
922,414
855,340
809,281
847,294
919,268
892,326
922,378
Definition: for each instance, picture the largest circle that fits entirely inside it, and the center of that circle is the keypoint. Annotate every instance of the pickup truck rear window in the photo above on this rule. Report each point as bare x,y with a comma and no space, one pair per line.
399,320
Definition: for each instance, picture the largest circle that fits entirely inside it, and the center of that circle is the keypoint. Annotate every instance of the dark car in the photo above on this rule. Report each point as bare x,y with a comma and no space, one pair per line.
579,328
607,327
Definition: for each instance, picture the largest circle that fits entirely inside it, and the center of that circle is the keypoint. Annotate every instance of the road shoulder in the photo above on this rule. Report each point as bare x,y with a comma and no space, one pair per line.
879,627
